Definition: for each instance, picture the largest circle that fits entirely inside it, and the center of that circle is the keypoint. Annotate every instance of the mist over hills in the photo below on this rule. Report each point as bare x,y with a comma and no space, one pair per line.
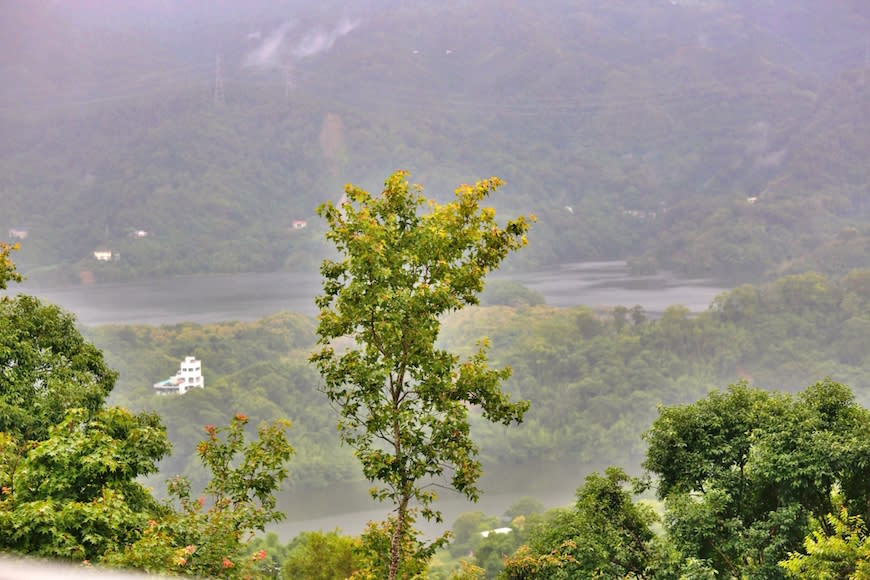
632,130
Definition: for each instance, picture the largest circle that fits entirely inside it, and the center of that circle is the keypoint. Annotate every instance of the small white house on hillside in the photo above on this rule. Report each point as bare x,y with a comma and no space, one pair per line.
189,376
496,531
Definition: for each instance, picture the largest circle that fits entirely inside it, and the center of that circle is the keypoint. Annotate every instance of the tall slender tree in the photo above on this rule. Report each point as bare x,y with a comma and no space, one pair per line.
403,402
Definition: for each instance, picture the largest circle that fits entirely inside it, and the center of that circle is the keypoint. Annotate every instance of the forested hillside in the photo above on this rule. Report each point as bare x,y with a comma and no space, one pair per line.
594,379
259,369
632,130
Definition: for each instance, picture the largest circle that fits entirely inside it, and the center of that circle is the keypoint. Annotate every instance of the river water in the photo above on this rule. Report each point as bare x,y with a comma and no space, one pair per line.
349,507
216,298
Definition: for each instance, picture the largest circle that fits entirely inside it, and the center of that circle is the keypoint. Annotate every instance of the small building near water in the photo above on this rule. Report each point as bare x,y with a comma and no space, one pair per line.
189,376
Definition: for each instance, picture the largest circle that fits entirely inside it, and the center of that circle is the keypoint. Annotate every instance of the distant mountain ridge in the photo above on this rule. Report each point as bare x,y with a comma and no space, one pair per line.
636,128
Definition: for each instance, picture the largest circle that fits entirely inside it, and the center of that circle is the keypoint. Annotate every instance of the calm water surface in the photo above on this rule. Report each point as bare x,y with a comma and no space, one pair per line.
215,298
349,507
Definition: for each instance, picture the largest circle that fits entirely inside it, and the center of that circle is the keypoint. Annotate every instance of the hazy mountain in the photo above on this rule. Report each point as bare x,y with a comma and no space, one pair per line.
623,126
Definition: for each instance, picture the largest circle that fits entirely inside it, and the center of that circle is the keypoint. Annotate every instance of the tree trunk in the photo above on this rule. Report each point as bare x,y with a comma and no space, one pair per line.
396,544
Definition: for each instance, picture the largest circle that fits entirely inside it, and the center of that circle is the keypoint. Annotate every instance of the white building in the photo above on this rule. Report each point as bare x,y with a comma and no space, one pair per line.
496,531
103,255
189,376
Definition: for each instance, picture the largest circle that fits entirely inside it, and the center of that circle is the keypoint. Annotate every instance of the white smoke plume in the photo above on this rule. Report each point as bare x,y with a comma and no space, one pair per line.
268,53
319,41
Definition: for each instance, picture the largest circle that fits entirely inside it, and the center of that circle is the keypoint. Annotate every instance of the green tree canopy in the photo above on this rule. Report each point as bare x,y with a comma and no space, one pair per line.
742,472
74,495
843,551
404,403
321,556
210,539
46,368
606,535
8,271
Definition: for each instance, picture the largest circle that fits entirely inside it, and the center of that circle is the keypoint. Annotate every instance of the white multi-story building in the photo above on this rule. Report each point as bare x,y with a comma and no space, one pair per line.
189,376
